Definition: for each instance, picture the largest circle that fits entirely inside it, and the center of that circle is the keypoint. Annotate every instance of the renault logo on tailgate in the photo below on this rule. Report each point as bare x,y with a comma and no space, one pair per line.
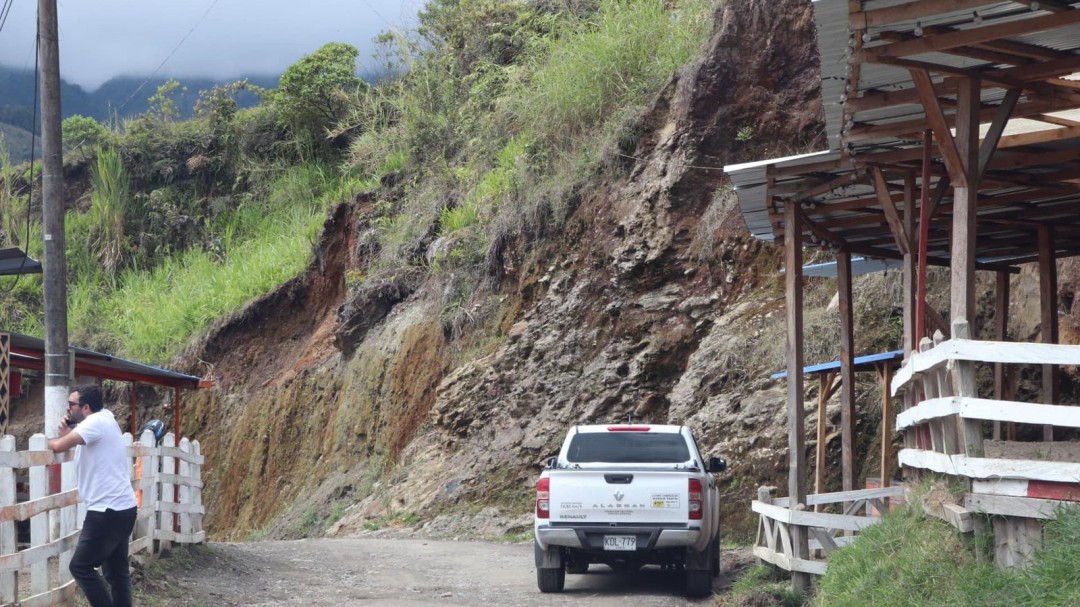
619,495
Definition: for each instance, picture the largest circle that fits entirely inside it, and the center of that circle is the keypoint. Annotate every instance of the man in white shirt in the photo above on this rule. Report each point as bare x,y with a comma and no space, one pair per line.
105,489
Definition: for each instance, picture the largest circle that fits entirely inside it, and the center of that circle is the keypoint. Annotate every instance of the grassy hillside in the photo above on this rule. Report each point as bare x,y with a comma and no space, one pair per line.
17,142
504,105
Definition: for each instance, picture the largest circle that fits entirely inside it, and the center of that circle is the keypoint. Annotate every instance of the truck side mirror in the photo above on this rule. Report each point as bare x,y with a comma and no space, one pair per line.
717,464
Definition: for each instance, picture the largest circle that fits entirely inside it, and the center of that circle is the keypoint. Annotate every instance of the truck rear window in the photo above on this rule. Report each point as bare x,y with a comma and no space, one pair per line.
628,448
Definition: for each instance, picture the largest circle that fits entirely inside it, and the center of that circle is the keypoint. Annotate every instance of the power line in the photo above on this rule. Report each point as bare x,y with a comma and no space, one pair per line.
173,52
4,12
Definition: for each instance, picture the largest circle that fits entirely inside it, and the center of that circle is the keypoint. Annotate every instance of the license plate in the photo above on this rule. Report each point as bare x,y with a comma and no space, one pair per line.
620,542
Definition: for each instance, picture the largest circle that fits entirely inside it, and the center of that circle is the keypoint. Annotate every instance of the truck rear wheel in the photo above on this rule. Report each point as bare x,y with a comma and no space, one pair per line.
698,582
716,556
550,580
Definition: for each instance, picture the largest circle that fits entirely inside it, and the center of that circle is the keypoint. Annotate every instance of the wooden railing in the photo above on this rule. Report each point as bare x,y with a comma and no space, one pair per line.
827,532
1018,482
34,573
944,432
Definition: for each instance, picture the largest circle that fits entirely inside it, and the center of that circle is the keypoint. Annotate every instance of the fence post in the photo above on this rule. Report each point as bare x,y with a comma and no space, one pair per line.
69,521
950,433
144,527
196,487
185,488
39,523
964,384
168,491
8,579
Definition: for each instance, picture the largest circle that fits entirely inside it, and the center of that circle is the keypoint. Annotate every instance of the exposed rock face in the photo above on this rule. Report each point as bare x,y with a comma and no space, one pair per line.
653,302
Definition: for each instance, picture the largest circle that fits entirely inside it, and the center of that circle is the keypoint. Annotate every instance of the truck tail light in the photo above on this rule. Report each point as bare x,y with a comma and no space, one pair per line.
696,506
543,488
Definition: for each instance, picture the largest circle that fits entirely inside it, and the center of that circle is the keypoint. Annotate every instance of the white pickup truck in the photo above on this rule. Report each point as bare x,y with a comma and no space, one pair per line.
628,496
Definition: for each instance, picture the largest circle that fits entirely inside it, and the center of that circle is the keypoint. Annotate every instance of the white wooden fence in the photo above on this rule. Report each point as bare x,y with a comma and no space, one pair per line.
826,532
167,479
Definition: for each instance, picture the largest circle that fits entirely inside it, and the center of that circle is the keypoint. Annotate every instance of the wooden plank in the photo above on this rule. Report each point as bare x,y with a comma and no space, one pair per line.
953,39
988,352
824,540
196,486
848,496
176,479
964,386
8,579
27,459
1000,486
949,430
177,453
886,426
179,508
1001,333
910,275
824,388
807,518
1066,492
39,523
983,468
69,520
1025,413
965,202
790,564
931,408
39,555
24,511
180,538
51,597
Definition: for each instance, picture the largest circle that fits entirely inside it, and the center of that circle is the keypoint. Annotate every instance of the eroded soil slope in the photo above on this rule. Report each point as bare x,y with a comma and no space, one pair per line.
357,406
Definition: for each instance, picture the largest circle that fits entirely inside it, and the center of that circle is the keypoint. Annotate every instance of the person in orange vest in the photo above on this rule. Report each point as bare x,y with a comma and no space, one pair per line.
105,489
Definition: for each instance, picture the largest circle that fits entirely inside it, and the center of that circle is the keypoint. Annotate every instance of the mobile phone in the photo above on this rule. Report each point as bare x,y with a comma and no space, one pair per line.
70,423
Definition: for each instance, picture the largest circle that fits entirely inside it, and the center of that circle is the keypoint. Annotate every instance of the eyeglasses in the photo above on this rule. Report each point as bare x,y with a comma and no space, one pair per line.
74,404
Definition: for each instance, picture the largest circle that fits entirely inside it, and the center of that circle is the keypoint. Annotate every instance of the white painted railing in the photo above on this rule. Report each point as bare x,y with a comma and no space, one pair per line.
826,532
35,574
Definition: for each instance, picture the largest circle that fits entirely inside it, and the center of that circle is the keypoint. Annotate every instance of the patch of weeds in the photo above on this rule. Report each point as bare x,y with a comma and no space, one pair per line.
761,586
336,512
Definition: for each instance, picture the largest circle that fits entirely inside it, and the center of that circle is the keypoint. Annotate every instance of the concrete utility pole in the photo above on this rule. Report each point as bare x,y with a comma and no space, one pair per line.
57,372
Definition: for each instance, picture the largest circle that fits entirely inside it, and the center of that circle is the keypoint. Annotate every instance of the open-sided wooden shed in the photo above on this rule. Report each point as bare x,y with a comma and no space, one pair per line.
954,132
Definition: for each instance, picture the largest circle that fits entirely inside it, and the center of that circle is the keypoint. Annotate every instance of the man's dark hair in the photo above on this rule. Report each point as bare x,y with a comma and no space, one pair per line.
89,394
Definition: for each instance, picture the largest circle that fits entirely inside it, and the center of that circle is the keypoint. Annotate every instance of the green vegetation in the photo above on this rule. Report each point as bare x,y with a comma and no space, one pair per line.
910,559
500,112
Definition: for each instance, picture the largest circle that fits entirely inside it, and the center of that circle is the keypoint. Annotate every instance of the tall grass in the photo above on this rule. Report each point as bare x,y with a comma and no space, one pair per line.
619,57
148,315
915,561
109,201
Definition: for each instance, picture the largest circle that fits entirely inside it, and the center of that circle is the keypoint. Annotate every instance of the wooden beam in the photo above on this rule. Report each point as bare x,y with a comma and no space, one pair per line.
1038,137
896,224
886,423
936,119
997,127
986,33
905,12
1055,120
847,369
826,386
793,289
910,212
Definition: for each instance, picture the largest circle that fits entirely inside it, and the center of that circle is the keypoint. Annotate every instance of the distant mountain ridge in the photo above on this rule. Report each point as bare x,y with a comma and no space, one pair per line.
120,96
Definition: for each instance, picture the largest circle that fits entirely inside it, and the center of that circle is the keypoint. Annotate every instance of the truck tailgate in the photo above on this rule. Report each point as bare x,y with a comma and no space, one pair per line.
618,497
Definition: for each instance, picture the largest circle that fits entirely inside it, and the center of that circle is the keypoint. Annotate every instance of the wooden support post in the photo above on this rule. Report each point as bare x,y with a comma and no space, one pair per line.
950,434
847,370
796,414
965,200
1001,333
964,385
824,380
910,339
1049,326
885,371
930,389
5,382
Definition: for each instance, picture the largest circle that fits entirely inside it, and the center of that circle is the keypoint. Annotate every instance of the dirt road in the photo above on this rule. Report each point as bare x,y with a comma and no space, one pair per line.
394,573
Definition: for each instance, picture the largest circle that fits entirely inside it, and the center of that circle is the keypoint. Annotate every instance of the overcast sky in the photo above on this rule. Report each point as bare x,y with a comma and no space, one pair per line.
100,39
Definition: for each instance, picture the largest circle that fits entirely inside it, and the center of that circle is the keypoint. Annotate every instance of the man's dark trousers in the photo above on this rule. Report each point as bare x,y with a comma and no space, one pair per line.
104,543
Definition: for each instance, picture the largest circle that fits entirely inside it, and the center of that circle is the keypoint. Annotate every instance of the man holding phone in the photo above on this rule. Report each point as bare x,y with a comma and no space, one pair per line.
105,488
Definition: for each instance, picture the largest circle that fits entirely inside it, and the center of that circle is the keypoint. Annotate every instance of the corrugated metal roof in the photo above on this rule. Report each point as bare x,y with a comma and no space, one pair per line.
875,118
28,352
